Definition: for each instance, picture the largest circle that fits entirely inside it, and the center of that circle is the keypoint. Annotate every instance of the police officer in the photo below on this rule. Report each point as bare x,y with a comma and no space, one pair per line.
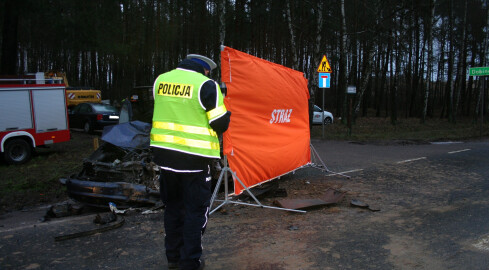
189,114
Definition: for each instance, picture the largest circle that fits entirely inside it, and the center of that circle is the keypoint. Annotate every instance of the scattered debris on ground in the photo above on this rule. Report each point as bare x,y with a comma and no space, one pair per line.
118,222
331,196
63,209
360,204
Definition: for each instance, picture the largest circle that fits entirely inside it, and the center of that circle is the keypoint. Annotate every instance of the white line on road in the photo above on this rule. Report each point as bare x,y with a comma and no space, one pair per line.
409,160
463,150
350,171
483,244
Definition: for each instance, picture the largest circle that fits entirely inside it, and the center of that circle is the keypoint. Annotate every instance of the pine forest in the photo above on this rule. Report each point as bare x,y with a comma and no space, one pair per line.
407,58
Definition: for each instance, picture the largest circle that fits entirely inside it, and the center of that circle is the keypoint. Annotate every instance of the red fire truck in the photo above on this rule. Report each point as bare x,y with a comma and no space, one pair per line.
32,114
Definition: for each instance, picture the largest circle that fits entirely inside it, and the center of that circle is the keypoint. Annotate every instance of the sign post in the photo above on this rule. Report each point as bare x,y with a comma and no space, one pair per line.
480,71
324,70
324,82
351,90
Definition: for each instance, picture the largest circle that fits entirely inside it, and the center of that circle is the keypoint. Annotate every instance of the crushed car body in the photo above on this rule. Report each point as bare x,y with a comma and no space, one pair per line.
120,170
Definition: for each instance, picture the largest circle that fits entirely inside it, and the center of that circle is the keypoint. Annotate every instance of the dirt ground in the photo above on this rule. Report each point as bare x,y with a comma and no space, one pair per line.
430,218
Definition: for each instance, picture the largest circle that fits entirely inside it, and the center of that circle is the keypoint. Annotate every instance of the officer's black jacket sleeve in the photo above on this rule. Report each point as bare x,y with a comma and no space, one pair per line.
208,98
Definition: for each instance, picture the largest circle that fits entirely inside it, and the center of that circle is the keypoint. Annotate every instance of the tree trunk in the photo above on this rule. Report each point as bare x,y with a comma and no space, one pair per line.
343,69
450,84
221,10
461,63
470,90
317,47
441,74
365,79
292,36
416,72
395,80
480,79
429,60
377,90
383,92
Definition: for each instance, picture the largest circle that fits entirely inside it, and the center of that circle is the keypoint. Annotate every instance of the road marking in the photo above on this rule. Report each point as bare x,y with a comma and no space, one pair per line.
410,160
356,170
483,244
458,151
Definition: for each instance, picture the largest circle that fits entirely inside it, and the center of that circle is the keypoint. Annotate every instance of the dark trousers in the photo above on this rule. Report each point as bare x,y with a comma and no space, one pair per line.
187,199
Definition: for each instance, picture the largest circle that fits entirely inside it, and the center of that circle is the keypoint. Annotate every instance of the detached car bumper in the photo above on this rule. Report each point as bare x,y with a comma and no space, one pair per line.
99,194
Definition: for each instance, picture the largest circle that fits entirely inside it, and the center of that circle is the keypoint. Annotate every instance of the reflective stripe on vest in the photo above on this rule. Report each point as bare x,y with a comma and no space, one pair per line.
185,141
185,128
216,112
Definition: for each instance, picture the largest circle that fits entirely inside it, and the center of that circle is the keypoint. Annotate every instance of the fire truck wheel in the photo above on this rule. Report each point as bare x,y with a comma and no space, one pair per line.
17,151
87,127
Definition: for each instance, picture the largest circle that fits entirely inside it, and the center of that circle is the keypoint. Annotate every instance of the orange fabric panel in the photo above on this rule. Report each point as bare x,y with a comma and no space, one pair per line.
269,131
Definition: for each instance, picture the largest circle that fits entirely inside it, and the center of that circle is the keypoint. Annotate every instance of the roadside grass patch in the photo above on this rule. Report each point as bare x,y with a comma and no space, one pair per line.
37,181
368,129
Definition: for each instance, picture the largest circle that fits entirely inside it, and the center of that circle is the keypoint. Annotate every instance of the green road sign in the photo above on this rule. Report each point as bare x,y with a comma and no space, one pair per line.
479,71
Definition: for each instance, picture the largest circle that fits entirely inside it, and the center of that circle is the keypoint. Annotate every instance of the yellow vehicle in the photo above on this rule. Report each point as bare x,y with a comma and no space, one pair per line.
77,96
74,95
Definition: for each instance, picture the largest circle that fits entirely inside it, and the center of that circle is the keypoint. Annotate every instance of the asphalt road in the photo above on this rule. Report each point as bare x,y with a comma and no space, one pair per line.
434,214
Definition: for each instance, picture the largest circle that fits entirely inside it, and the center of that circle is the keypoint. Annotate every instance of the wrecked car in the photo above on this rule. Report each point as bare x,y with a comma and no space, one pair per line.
119,171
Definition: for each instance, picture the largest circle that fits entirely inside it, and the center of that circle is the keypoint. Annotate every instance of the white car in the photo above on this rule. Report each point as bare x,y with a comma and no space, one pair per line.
327,117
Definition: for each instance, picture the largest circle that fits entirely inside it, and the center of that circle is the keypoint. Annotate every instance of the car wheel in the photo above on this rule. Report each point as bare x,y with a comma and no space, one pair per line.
17,151
327,121
87,127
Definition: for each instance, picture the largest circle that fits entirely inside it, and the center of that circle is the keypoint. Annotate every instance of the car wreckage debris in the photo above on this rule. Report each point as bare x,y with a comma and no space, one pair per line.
293,228
121,170
331,196
100,193
63,209
268,189
360,204
299,204
105,218
93,231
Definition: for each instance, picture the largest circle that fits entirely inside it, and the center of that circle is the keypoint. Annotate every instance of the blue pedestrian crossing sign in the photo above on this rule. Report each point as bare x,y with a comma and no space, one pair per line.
324,80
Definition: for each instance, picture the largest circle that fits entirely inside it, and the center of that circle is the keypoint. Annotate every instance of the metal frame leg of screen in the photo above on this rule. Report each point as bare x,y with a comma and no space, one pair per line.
227,200
315,158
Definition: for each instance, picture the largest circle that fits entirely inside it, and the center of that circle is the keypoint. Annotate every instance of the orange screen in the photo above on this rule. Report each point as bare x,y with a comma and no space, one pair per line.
269,131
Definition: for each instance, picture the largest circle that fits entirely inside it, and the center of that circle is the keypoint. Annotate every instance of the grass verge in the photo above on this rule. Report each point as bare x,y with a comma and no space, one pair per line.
37,181
371,129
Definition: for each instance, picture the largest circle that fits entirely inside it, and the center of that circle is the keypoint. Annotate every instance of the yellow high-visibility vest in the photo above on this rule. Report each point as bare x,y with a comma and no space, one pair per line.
180,123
